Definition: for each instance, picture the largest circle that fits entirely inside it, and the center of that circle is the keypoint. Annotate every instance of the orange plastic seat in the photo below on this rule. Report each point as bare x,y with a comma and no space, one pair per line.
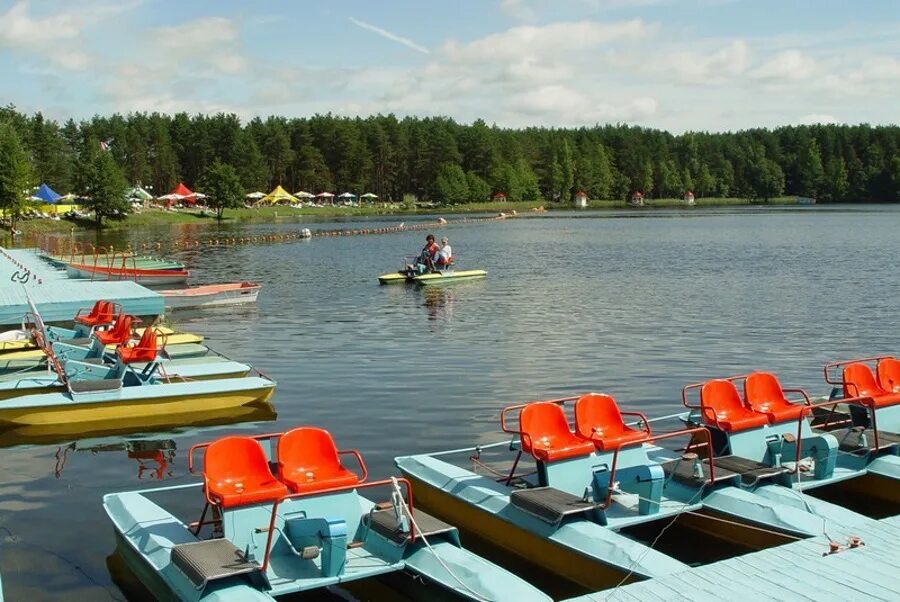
308,461
888,373
546,435
144,351
860,382
101,313
722,406
764,395
597,417
118,334
236,473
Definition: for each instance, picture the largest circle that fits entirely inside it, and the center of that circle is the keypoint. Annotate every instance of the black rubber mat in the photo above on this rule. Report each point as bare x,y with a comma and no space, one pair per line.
386,523
92,386
549,504
205,561
851,440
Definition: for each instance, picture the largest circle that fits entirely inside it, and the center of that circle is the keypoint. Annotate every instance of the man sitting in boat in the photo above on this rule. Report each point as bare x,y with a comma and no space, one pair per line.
445,255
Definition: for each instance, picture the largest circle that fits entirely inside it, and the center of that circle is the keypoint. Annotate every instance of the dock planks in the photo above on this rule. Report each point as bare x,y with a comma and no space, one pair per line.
795,571
59,297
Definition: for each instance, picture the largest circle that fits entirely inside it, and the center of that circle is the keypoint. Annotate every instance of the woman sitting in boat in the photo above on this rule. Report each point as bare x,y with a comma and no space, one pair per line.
427,257
445,255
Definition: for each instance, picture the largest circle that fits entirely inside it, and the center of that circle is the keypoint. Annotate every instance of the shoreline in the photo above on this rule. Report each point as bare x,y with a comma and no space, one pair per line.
284,214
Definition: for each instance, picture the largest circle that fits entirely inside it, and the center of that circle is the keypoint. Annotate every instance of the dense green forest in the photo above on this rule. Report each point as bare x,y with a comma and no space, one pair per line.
438,159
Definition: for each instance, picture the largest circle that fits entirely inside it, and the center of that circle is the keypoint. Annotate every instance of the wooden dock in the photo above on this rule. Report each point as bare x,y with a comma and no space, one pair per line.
59,297
802,570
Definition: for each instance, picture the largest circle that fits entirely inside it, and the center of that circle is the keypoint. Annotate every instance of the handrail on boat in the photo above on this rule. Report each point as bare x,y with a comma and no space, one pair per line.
507,409
364,471
832,365
696,430
866,402
388,482
642,418
735,378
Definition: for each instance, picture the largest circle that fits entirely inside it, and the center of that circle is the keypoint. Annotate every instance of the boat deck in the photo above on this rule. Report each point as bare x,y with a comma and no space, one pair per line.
795,571
59,297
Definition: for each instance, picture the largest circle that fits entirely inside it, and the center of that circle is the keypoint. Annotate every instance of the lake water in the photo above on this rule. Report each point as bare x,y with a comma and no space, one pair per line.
635,304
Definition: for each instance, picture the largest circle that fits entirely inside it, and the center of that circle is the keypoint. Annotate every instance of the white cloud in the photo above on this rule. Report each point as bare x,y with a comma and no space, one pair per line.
789,65
22,33
212,41
518,9
389,35
715,67
59,38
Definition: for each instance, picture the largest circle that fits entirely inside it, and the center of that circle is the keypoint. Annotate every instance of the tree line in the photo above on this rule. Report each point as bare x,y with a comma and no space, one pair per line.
436,158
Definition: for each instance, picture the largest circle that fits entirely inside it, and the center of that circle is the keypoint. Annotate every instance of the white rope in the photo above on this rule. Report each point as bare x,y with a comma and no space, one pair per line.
662,531
402,502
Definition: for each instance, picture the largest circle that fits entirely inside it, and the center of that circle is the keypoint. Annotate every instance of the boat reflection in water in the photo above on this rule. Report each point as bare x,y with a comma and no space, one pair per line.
438,302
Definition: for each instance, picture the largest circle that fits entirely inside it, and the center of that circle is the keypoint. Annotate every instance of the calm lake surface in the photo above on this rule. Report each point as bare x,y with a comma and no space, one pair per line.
634,304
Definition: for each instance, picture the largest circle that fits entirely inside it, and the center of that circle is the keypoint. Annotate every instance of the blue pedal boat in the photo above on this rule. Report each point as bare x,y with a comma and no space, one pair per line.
283,515
598,490
805,446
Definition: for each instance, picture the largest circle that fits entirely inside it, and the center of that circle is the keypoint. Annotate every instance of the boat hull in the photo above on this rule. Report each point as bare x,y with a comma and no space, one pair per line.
449,276
137,275
394,278
432,277
550,555
134,403
208,296
178,338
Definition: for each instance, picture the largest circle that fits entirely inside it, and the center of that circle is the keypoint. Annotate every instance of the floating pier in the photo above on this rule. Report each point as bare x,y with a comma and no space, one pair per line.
812,569
59,297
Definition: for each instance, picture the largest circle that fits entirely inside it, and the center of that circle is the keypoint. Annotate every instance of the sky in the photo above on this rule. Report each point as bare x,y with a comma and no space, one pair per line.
679,65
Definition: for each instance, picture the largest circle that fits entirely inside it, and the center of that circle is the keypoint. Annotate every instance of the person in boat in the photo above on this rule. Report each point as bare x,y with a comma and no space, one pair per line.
427,257
445,255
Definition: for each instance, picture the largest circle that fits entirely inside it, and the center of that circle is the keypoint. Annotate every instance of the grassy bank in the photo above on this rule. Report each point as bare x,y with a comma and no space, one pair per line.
152,217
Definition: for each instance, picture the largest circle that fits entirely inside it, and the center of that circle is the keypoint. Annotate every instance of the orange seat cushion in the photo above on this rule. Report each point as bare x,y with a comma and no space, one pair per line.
560,447
605,442
890,399
785,413
733,423
301,480
231,493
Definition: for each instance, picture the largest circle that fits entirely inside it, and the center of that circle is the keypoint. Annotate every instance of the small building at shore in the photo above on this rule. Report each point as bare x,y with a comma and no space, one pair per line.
689,197
637,199
581,199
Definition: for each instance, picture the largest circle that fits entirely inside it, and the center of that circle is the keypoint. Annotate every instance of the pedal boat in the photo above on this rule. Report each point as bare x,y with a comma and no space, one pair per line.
264,535
598,490
432,276
101,318
136,386
807,446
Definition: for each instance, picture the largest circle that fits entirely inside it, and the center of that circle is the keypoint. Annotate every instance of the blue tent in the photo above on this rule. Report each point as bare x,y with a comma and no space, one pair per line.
46,194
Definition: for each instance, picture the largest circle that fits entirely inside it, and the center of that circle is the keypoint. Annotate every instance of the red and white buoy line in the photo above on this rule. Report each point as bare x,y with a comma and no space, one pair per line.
305,233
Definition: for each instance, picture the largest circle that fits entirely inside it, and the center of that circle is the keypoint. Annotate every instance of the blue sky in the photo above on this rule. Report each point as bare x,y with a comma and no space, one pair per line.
673,64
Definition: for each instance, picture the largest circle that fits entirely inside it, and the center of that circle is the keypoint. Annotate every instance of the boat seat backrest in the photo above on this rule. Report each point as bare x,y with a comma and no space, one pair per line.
888,373
236,472
120,333
308,461
101,313
721,406
860,382
545,433
722,397
144,351
762,390
598,418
